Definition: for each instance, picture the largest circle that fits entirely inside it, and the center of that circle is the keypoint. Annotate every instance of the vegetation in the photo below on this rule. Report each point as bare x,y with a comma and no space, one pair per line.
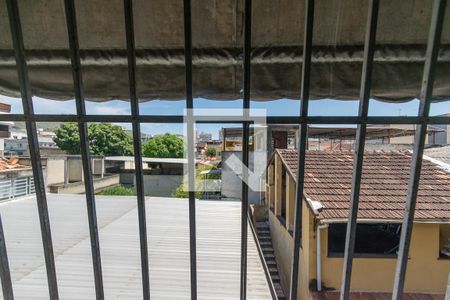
164,146
118,190
104,139
181,191
211,152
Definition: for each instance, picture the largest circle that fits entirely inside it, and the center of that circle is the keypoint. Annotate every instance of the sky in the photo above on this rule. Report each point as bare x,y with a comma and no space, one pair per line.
326,107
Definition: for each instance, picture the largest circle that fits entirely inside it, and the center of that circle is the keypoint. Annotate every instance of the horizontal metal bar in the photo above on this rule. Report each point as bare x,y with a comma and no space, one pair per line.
33,144
179,119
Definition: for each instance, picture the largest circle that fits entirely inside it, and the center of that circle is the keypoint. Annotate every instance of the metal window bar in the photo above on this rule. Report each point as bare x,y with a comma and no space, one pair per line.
190,145
140,192
310,120
437,21
245,145
27,103
84,146
5,274
422,120
306,73
366,82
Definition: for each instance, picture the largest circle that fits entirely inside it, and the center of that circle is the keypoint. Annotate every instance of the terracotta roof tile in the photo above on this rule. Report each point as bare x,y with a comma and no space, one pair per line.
11,163
384,184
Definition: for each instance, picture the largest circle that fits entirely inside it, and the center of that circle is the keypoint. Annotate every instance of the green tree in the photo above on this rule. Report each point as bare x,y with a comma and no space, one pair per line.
68,138
109,140
211,152
104,139
164,146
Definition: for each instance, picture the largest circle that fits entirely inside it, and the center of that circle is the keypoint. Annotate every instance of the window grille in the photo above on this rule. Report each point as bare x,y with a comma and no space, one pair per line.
30,119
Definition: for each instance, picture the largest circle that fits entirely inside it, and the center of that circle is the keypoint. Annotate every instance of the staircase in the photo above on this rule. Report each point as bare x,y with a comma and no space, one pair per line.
265,240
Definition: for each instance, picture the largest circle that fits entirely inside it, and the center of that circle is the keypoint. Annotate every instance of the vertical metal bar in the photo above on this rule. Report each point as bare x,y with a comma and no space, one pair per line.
27,102
5,273
190,132
134,101
426,95
84,146
447,293
245,142
306,74
364,99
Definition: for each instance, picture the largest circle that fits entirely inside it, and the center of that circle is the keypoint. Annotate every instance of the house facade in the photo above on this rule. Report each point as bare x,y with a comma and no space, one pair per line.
325,212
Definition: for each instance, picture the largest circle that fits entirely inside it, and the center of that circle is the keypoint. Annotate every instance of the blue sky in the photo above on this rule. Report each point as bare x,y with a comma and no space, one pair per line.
287,107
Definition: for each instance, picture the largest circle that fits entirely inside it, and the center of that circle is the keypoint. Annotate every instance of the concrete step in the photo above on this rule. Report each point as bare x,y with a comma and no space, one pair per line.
275,277
271,262
278,288
265,243
269,256
267,249
273,270
262,225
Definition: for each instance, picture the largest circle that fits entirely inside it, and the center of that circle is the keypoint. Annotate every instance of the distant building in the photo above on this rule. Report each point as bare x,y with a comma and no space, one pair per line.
145,137
16,147
442,137
17,143
5,127
204,136
19,147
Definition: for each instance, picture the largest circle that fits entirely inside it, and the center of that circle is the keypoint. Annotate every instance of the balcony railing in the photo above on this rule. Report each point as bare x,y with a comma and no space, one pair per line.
12,188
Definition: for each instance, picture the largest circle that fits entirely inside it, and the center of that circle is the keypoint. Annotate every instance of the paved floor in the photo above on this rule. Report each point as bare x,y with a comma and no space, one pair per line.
218,246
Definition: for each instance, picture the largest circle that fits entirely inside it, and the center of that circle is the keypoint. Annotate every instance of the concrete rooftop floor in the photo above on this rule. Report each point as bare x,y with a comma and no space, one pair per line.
218,249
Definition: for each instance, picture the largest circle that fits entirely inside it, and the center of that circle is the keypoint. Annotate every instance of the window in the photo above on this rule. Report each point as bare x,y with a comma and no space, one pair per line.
444,241
371,240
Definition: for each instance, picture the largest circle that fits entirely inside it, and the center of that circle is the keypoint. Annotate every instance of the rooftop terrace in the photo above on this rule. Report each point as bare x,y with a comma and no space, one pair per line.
218,249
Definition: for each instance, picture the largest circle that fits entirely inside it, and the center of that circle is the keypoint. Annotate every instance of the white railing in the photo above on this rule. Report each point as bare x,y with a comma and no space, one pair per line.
12,188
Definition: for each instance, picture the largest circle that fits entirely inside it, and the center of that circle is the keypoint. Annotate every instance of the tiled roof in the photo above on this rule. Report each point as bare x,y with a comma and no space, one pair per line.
11,163
384,184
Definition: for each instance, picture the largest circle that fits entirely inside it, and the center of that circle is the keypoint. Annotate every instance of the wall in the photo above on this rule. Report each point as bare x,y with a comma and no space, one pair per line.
78,187
283,246
425,272
154,185
161,185
405,139
282,240
75,170
55,171
232,184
